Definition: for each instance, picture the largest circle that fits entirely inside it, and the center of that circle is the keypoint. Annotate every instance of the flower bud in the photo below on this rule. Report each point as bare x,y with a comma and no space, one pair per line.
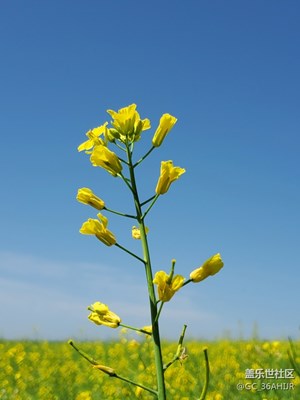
103,157
210,267
86,196
166,123
136,232
107,370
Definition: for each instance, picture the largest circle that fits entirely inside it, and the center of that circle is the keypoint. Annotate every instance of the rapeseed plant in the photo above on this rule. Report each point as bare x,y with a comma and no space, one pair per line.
125,129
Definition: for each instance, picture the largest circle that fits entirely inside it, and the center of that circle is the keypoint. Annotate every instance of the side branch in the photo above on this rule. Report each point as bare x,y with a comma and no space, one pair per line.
130,252
180,353
151,205
205,387
143,158
109,371
119,213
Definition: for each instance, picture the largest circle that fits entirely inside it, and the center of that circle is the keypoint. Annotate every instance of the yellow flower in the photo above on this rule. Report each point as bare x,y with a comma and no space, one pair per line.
218,396
210,267
127,124
103,157
136,232
84,396
101,315
166,123
168,174
99,229
167,285
86,196
93,138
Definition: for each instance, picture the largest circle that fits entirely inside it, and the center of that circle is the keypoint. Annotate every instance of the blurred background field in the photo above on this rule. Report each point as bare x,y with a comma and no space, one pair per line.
41,370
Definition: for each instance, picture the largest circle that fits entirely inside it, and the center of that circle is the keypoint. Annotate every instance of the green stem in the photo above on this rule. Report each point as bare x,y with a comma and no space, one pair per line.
135,329
119,213
130,252
83,354
143,158
147,201
161,391
123,161
126,181
120,147
186,282
159,310
122,378
205,387
151,205
180,350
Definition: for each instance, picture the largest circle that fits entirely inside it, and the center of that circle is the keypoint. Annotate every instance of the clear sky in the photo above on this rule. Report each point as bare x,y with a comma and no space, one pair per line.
229,71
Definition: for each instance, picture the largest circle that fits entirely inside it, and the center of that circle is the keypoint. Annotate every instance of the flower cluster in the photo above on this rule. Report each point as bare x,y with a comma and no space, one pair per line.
126,127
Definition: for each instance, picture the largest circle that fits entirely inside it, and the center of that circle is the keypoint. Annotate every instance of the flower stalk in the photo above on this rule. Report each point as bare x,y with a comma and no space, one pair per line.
126,129
161,390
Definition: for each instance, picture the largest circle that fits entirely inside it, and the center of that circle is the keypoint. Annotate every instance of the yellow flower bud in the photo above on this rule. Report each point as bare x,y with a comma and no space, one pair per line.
99,229
107,370
168,174
103,157
210,267
167,285
136,232
166,123
86,196
101,315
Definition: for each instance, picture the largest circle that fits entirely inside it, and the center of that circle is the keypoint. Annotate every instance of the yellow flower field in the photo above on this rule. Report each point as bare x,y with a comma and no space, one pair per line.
251,369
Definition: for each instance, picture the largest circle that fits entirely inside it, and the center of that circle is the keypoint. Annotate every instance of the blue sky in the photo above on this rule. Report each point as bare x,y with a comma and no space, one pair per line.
229,71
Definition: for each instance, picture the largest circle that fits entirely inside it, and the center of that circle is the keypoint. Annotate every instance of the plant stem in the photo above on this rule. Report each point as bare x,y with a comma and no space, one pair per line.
151,205
205,387
143,158
147,201
130,252
186,282
135,329
119,213
122,378
159,310
179,351
161,391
